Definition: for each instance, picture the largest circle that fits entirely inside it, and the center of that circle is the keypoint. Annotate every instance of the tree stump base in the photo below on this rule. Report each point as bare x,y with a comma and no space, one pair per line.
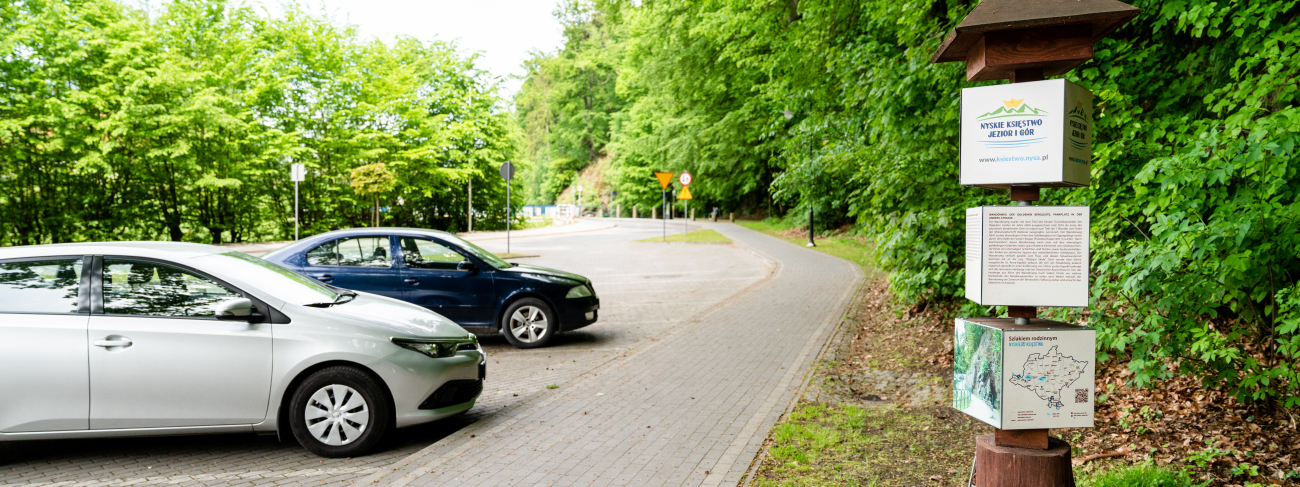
1005,466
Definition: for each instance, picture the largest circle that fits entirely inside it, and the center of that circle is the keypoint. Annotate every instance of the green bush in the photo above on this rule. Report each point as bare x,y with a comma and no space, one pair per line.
1142,475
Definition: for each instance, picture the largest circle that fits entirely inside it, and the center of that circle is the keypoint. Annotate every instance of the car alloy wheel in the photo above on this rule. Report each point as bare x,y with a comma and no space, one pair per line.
529,324
337,415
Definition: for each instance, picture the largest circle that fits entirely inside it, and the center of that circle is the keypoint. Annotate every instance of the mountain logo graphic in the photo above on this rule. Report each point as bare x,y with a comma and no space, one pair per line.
1013,108
1077,112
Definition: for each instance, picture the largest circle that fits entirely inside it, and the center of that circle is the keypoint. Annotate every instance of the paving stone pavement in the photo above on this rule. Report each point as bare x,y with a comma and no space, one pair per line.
691,408
647,291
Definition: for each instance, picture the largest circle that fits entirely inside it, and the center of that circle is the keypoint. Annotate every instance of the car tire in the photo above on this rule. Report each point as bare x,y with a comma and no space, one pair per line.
338,427
529,323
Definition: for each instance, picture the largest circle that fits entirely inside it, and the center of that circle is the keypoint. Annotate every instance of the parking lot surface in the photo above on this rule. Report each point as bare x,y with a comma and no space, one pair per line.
696,328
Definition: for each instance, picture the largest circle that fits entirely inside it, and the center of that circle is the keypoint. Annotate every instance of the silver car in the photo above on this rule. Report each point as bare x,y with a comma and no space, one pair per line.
160,338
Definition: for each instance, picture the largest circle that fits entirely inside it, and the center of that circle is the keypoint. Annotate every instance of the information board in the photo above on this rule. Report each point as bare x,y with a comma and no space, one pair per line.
1027,255
1039,375
1037,133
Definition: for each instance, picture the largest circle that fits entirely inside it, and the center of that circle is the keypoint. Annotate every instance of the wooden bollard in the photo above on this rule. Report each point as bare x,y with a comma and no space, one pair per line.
654,213
1008,466
633,211
732,216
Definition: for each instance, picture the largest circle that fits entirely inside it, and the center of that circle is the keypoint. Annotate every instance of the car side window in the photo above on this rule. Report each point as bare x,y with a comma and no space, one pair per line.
326,254
420,253
40,286
363,252
134,287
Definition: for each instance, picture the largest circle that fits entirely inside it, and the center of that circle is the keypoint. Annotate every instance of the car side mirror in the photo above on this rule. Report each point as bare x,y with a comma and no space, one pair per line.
467,267
238,309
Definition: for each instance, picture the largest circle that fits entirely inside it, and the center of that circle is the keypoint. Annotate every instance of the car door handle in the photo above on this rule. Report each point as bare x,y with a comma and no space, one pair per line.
411,280
325,278
120,342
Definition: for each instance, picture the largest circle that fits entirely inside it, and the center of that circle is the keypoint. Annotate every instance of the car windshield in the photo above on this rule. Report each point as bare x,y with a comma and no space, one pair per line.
280,282
488,257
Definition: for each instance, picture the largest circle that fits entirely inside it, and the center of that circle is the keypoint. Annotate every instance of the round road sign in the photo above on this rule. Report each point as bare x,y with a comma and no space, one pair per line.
507,171
579,188
685,179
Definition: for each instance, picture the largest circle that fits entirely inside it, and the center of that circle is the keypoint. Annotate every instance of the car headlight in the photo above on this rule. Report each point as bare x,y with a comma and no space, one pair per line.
579,292
438,348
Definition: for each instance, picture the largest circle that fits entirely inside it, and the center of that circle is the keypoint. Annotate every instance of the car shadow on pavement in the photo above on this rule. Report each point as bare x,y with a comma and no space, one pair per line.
203,454
568,338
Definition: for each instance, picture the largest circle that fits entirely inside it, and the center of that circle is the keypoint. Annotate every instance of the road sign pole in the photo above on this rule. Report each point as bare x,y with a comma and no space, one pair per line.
685,221
508,215
296,174
663,197
508,173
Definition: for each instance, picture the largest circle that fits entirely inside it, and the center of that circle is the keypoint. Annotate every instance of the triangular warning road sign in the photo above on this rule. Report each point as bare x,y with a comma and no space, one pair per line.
665,178
684,194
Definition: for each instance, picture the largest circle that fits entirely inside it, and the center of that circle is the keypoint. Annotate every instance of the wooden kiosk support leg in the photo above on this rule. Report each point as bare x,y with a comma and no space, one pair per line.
1022,314
1025,193
1009,466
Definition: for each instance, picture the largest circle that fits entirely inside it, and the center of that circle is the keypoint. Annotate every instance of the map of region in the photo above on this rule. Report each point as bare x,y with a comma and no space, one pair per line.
1048,374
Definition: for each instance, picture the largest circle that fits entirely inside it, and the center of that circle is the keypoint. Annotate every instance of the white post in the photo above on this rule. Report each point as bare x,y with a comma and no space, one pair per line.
470,216
296,213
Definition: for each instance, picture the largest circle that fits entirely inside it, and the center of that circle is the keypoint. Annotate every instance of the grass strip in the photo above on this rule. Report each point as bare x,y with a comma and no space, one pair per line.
693,236
851,249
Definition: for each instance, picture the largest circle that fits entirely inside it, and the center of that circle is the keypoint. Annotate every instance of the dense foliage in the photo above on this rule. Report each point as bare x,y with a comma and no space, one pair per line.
182,125
833,104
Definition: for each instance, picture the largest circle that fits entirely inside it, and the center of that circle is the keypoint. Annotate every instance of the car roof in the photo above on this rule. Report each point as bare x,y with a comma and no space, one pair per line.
348,232
162,250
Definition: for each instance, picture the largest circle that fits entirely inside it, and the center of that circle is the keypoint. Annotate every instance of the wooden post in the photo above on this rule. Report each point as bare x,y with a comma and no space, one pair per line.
1022,467
620,210
732,216
654,213
634,211
692,214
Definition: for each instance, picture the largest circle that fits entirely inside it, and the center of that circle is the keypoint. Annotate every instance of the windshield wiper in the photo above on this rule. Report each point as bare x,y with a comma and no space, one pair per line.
337,300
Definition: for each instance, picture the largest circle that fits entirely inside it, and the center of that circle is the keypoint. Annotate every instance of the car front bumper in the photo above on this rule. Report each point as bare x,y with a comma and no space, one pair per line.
579,312
413,378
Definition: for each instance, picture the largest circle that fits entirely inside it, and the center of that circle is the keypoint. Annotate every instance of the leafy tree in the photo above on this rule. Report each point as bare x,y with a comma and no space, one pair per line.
373,180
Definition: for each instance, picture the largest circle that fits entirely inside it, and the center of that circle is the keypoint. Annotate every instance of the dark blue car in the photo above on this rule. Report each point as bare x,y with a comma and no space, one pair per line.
457,279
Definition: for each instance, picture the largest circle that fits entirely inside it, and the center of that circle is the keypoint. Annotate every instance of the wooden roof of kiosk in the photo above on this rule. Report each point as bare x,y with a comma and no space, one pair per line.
1001,39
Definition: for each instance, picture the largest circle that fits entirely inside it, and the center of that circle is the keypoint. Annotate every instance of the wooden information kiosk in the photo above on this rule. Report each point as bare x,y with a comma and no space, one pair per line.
1023,374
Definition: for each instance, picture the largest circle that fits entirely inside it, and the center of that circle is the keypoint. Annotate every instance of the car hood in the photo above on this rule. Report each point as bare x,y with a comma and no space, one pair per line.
396,318
546,271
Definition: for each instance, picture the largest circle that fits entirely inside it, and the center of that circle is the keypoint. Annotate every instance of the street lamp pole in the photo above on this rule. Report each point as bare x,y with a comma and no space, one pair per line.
810,227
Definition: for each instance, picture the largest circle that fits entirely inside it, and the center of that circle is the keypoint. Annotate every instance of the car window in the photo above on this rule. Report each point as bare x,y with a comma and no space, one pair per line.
40,286
419,253
133,287
325,254
363,252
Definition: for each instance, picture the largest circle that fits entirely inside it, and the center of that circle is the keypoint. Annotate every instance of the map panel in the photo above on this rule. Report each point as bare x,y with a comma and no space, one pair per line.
1050,378
1047,375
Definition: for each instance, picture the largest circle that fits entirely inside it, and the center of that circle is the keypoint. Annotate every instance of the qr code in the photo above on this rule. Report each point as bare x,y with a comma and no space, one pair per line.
1080,396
